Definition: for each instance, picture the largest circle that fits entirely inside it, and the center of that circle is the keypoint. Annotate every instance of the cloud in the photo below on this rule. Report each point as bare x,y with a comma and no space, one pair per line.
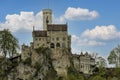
102,33
75,38
96,36
80,14
72,13
78,51
59,20
85,42
24,20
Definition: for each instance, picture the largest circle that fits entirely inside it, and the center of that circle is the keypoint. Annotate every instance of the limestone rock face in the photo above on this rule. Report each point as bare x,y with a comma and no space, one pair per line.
26,72
22,72
42,63
36,58
61,61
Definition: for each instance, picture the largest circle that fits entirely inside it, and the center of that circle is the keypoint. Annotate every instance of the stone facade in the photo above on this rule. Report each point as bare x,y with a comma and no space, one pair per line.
52,35
83,63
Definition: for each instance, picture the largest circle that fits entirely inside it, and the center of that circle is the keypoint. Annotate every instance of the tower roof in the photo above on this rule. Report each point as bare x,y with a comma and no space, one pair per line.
40,33
57,27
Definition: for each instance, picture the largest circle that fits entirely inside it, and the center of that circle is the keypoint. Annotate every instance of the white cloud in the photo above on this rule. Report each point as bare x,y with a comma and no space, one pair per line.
96,36
75,38
80,14
24,20
102,33
85,42
59,20
76,14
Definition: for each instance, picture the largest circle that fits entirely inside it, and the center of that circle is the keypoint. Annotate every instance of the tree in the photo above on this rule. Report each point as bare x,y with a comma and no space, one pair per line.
101,62
114,57
8,47
8,43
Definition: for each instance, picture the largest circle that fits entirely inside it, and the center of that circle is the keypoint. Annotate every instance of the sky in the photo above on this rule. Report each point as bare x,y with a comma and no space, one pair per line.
93,24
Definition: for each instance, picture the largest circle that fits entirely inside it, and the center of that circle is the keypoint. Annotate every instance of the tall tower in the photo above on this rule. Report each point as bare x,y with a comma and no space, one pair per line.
47,18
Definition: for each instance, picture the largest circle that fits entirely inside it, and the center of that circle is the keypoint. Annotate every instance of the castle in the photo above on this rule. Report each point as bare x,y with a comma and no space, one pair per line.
53,35
56,37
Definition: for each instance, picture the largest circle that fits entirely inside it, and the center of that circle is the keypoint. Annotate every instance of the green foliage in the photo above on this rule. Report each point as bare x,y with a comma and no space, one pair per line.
97,77
101,62
27,61
117,72
102,71
43,50
8,43
37,66
73,74
114,57
8,46
51,74
75,77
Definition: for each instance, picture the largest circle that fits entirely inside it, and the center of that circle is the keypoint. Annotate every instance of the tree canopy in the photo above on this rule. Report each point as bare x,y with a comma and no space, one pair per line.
8,43
114,57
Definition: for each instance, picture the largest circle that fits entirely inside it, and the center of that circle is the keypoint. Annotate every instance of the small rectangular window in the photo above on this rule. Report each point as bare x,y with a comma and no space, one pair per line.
39,39
57,38
52,39
64,38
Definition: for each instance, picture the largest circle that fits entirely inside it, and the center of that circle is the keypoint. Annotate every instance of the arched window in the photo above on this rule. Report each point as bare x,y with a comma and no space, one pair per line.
52,45
58,45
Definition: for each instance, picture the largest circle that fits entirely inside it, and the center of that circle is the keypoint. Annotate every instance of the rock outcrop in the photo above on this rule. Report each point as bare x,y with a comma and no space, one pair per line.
42,64
61,61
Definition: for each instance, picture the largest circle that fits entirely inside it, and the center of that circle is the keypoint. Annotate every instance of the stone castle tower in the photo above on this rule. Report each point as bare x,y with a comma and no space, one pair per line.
47,18
53,35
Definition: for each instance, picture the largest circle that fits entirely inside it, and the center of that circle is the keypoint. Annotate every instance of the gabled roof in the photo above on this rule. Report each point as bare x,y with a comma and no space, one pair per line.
57,27
39,33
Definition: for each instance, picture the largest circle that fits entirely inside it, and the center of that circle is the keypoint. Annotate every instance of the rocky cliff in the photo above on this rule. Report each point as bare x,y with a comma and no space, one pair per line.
42,64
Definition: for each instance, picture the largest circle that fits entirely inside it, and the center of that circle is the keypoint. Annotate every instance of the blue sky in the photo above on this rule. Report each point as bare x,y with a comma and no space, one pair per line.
94,25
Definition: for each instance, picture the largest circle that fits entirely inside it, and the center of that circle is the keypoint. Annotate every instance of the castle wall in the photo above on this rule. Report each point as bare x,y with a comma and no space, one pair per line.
39,42
60,37
83,63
